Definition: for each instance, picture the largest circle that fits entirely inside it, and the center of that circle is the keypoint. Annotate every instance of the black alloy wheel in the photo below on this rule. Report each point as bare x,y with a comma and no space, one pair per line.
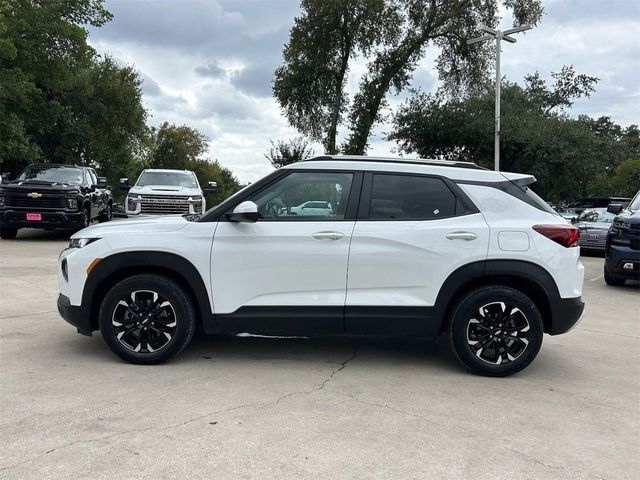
498,333
144,321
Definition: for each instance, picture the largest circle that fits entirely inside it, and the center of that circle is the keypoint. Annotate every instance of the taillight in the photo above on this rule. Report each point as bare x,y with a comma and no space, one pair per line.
565,235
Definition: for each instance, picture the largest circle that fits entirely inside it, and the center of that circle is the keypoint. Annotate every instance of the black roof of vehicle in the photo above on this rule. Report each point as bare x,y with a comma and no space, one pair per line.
419,161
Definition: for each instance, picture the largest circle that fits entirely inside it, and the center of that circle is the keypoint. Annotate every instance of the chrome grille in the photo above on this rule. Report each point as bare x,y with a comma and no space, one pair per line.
47,200
165,204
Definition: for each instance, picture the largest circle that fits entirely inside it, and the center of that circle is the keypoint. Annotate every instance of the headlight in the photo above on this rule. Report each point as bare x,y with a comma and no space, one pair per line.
617,223
81,242
1,200
132,200
72,203
195,199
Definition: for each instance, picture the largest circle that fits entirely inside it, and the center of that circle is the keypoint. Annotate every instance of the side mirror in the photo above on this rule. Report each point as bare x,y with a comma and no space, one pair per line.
123,184
614,208
574,219
246,212
102,182
6,176
210,188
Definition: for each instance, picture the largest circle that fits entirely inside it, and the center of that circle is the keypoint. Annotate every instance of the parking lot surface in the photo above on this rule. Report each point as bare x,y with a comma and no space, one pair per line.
278,408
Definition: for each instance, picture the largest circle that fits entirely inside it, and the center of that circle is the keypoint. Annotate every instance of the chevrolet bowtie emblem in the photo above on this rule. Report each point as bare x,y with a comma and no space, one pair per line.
34,195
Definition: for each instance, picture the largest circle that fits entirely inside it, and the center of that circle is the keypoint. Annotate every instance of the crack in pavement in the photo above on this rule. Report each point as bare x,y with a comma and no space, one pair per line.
323,384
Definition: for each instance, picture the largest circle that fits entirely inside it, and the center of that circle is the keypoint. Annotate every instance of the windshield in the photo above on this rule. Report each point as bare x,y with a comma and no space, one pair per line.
635,203
596,215
52,173
173,179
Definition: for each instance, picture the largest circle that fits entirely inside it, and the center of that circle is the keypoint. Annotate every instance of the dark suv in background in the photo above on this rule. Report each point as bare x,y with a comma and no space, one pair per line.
53,197
622,250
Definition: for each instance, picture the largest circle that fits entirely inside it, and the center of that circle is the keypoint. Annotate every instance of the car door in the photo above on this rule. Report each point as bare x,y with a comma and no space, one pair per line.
412,232
287,272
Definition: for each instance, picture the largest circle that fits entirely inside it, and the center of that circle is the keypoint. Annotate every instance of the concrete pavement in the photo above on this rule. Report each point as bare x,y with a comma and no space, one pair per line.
299,408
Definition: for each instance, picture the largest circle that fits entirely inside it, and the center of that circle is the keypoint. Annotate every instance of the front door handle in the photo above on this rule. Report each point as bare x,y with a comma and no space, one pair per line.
462,236
327,235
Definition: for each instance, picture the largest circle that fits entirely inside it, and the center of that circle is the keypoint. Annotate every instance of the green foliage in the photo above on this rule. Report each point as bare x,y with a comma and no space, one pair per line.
566,155
176,146
623,182
58,101
392,35
284,153
310,86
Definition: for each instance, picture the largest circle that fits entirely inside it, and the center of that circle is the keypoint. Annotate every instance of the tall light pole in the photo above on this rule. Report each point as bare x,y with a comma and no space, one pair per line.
498,35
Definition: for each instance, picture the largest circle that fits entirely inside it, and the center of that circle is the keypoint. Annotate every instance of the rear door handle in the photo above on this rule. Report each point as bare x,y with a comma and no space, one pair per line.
328,235
462,236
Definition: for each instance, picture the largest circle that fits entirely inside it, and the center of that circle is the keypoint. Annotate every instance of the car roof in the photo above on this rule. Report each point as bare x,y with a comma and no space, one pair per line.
463,171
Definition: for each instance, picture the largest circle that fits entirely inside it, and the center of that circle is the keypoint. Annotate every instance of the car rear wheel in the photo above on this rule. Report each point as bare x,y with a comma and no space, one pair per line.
496,331
611,279
8,233
147,319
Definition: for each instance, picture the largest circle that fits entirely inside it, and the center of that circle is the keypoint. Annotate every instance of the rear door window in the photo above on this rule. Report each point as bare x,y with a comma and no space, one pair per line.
410,197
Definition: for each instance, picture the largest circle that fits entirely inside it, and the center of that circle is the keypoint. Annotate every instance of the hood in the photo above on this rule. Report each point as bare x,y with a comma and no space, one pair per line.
40,186
143,225
593,225
163,190
629,216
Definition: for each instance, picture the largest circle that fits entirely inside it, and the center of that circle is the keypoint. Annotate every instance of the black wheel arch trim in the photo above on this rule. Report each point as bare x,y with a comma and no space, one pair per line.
558,314
121,265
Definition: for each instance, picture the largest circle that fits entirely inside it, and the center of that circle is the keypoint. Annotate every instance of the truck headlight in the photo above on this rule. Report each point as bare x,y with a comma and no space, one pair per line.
132,201
72,203
1,201
81,242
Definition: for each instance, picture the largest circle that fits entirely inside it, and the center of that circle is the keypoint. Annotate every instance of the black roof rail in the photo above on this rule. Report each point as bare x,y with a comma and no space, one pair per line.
416,161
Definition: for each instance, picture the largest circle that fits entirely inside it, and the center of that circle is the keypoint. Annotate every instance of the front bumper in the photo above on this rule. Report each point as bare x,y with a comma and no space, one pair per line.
565,314
50,220
75,315
617,256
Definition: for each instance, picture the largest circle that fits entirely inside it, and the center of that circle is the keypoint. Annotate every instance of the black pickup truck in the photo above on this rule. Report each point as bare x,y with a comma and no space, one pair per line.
53,197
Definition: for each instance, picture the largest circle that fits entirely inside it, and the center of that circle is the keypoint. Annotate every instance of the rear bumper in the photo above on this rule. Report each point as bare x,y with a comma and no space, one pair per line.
565,314
50,220
75,315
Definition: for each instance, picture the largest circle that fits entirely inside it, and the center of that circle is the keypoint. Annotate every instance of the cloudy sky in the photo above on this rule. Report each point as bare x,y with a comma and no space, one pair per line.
209,64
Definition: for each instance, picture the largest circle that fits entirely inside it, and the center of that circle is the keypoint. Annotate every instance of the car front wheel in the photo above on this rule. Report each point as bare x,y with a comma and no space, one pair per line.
147,319
496,331
8,233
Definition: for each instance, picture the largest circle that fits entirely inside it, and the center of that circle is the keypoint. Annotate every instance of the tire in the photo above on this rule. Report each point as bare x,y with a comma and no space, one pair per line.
86,218
107,215
611,279
8,233
137,336
480,317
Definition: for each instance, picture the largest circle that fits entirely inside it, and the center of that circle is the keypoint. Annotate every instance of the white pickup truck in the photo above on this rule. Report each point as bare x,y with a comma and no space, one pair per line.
165,192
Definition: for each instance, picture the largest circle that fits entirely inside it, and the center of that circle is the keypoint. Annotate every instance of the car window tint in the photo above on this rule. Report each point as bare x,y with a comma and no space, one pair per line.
305,196
405,197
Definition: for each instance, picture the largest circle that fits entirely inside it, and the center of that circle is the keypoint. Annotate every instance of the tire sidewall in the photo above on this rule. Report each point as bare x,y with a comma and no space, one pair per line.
465,310
180,301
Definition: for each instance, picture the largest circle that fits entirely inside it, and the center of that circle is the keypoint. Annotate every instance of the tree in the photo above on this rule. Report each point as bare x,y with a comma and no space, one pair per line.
176,146
393,38
310,86
284,153
42,47
565,154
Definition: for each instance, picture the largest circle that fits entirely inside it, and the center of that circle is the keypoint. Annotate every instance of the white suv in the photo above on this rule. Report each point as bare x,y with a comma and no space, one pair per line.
410,247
